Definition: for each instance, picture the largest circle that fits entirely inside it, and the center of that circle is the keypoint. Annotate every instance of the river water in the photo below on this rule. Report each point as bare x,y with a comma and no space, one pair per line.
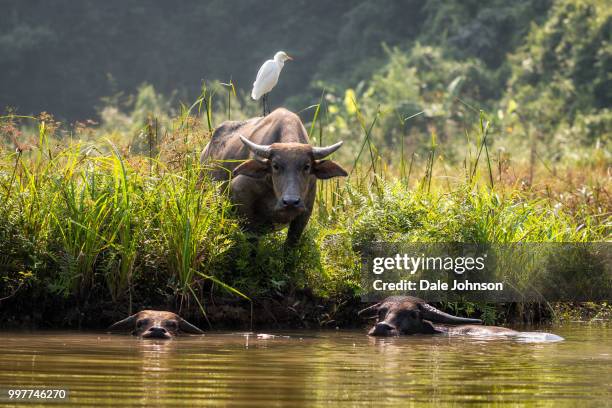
309,368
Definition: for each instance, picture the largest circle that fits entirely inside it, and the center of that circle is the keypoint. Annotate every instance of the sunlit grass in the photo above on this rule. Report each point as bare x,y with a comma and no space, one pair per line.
80,218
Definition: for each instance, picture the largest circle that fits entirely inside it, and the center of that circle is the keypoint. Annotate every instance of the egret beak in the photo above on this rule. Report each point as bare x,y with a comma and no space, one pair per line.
289,58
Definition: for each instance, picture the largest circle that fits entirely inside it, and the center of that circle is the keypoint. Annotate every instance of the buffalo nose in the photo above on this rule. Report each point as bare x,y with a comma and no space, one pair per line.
381,329
291,201
157,332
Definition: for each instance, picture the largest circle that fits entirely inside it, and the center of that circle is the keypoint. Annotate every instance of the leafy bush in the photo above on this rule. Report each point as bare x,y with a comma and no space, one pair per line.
560,80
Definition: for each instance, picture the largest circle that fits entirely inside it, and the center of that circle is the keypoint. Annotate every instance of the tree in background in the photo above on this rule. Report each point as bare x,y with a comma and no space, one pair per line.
560,90
543,68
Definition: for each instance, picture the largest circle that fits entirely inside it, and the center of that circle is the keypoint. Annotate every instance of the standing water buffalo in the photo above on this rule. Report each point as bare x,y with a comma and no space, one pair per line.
276,183
155,324
397,315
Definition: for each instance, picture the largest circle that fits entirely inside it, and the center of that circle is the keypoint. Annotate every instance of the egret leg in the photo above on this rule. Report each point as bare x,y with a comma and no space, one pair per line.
263,101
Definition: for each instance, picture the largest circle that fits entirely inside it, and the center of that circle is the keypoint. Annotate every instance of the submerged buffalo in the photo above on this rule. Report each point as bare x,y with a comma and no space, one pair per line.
402,315
155,324
276,183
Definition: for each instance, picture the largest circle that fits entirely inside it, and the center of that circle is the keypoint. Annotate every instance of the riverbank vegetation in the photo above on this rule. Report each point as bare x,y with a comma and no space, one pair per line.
87,222
444,141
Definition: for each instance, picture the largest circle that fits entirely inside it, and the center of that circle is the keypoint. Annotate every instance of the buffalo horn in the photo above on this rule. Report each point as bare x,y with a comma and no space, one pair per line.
259,150
322,152
436,316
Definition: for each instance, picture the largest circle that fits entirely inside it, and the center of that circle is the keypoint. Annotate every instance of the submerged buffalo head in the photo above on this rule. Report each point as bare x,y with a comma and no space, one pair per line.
155,324
293,169
409,315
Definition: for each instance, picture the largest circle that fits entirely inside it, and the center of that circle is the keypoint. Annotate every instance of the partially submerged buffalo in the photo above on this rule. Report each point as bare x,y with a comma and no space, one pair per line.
272,169
155,324
402,315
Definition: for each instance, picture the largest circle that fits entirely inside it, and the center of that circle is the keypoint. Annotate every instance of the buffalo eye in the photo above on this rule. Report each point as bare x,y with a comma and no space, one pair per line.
275,167
141,322
307,167
171,324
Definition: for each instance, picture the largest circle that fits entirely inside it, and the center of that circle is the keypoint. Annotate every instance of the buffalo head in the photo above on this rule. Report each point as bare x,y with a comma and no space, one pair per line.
409,315
155,324
292,169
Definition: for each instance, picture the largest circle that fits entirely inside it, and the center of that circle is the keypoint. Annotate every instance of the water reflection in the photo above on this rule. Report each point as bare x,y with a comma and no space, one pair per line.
156,357
312,368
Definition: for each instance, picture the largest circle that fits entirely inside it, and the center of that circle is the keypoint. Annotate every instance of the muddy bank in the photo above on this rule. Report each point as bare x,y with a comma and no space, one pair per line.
297,309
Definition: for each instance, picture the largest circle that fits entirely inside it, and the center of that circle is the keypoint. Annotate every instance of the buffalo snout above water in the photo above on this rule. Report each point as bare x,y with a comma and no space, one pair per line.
155,324
405,315
398,315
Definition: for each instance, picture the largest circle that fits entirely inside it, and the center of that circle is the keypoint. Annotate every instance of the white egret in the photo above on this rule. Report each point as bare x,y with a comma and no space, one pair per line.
267,77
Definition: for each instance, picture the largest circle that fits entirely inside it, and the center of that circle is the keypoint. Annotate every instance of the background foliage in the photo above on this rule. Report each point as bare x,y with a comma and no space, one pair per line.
464,121
542,62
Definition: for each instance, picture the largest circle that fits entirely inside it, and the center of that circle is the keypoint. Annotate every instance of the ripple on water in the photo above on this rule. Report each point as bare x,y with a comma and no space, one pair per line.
313,368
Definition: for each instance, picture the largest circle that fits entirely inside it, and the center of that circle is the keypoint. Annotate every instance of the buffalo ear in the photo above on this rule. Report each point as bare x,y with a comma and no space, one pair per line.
326,169
125,324
252,168
187,327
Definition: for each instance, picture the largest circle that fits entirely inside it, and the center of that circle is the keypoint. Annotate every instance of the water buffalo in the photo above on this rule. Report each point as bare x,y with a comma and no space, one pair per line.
271,169
398,315
155,324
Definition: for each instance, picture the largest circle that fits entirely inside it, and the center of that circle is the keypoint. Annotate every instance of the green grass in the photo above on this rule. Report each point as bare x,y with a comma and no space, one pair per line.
89,221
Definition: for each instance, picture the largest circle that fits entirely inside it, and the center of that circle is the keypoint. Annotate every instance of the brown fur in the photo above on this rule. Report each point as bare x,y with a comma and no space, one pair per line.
155,324
399,315
410,315
275,191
